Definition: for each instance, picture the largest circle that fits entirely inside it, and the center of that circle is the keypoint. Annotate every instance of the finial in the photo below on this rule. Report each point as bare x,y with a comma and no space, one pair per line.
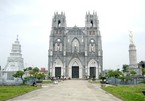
131,37
96,13
89,12
57,13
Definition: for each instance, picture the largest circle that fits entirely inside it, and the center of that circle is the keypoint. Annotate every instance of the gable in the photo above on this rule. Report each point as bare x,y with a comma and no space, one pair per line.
75,31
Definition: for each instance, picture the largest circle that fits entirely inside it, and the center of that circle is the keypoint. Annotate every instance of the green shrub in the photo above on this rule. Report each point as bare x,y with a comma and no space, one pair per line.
143,81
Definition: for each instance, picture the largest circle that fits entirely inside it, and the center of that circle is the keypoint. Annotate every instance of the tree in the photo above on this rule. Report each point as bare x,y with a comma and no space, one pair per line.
125,79
132,72
36,73
125,68
31,73
143,71
40,76
36,69
115,73
19,74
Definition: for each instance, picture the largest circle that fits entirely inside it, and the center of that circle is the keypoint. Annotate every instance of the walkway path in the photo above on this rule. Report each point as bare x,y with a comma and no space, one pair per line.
70,90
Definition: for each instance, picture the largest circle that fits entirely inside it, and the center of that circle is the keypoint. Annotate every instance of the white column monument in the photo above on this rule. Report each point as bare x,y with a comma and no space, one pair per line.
132,52
133,66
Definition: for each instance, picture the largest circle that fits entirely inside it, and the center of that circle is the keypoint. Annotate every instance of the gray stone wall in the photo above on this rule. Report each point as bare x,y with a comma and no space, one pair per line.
80,46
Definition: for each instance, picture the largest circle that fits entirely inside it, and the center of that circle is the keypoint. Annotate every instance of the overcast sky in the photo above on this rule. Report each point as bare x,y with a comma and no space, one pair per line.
32,20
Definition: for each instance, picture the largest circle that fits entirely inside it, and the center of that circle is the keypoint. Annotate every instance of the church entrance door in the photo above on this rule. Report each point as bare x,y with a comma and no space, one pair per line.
92,72
57,71
75,71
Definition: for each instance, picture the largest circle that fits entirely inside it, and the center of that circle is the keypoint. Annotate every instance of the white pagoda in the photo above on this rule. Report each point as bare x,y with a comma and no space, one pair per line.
14,63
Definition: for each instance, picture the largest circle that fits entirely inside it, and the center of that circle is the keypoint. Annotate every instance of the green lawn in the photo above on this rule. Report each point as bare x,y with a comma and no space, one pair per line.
127,93
96,81
7,92
46,81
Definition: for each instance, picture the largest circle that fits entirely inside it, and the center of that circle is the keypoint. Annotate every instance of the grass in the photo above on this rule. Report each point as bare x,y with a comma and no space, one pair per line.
127,93
46,81
96,81
7,92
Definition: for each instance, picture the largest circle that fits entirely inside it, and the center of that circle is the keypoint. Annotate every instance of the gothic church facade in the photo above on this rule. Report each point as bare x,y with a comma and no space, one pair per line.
75,52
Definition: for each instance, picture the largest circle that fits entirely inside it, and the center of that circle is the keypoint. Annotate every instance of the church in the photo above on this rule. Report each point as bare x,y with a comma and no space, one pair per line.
75,52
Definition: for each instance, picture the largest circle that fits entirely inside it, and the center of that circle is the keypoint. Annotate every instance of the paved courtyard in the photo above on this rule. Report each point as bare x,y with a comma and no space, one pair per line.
70,90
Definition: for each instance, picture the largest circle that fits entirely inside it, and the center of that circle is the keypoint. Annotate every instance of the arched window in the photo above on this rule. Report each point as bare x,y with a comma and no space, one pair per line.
92,46
75,45
59,22
58,45
91,23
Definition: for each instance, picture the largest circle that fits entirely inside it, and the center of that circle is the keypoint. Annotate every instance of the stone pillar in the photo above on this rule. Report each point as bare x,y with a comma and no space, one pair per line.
80,72
70,72
132,55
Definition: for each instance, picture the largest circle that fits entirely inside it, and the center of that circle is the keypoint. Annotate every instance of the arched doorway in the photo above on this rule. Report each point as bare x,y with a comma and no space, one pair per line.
93,69
75,68
57,68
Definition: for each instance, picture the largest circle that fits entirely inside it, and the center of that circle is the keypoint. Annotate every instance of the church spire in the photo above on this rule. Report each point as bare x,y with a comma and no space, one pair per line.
91,20
59,20
17,40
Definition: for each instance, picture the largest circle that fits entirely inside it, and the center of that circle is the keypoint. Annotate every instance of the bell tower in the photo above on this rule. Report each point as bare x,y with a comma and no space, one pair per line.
59,20
93,47
57,42
91,20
